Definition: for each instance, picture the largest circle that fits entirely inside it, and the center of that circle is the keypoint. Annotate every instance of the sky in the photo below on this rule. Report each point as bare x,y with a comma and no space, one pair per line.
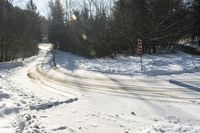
42,5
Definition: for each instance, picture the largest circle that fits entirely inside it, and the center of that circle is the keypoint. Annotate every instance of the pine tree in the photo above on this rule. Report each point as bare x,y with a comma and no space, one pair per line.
130,23
33,21
56,32
19,31
30,6
160,24
195,17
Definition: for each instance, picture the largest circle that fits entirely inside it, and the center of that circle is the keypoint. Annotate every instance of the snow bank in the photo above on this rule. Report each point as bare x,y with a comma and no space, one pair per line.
153,64
196,46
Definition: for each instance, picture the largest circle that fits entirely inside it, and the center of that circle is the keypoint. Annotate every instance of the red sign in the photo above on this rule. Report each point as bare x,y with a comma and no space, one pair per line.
140,47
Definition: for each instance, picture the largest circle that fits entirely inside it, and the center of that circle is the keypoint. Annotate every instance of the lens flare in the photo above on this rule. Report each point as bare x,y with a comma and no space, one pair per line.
74,17
84,36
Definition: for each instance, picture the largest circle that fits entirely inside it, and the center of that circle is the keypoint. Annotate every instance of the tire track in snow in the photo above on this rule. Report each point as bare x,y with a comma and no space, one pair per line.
36,78
162,94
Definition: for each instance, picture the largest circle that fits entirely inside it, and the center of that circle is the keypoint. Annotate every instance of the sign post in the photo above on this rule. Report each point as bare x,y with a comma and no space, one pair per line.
54,55
140,51
54,58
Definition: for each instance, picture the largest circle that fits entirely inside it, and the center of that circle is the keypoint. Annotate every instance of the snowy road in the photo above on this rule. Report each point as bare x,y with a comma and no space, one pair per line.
149,89
56,100
110,97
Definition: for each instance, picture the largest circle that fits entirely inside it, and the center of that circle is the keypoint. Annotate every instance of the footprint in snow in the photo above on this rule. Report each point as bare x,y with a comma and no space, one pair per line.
60,128
93,125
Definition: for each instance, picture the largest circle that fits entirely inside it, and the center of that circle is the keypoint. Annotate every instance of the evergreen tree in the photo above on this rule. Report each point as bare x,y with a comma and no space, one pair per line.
56,32
19,31
131,20
195,17
33,21
160,24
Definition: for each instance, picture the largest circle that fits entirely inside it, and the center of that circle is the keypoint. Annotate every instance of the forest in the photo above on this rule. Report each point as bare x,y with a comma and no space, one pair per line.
98,28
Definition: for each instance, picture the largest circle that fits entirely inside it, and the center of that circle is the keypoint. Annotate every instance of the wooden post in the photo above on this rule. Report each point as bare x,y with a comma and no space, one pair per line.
140,52
54,57
141,63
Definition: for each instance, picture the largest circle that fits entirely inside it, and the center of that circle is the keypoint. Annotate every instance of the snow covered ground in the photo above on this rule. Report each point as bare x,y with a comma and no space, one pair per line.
152,64
196,46
100,95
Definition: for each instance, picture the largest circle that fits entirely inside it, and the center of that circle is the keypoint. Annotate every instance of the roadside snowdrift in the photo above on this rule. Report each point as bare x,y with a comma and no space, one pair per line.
153,64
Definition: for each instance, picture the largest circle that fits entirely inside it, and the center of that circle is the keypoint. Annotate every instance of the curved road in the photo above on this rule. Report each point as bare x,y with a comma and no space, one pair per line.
151,89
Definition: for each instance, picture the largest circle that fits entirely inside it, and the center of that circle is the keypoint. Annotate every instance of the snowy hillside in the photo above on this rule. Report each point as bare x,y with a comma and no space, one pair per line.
100,95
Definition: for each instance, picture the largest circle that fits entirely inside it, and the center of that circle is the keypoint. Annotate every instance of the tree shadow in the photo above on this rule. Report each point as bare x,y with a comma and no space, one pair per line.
194,88
60,128
69,63
48,105
141,97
